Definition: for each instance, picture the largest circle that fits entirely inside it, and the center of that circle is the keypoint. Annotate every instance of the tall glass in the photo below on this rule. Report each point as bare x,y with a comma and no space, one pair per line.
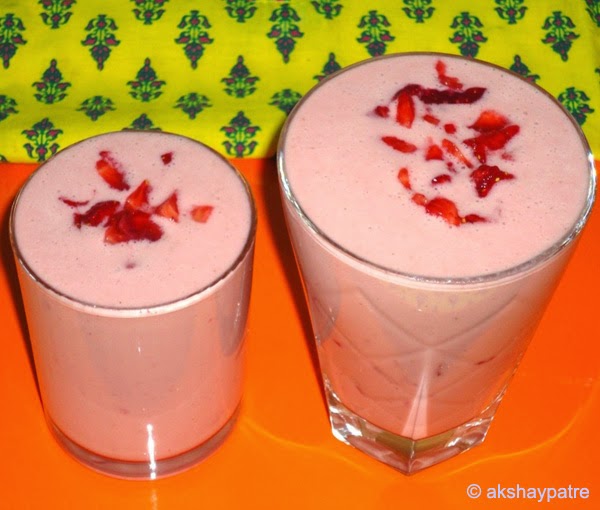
415,362
137,337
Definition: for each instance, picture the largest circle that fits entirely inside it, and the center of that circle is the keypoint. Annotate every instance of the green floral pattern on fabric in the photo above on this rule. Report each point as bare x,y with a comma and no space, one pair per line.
228,72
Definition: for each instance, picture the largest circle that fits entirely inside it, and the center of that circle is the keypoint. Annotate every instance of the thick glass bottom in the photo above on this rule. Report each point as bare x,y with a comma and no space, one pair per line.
143,470
403,453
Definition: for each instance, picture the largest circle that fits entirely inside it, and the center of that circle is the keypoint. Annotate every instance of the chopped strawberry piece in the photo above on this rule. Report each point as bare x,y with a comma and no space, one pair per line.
201,213
441,179
131,225
403,177
491,141
166,158
449,81
399,145
473,218
405,109
449,96
419,199
382,111
452,149
138,199
485,177
434,151
96,214
431,119
169,209
110,170
412,89
450,128
489,120
444,208
73,203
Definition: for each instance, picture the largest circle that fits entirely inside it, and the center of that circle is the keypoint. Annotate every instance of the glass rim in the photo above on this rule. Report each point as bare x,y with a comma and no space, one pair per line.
136,311
477,279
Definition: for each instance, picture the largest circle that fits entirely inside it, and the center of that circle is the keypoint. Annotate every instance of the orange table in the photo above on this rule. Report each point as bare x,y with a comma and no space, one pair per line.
281,454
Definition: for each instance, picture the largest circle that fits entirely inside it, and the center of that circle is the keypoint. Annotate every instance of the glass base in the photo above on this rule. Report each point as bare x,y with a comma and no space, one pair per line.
143,470
402,453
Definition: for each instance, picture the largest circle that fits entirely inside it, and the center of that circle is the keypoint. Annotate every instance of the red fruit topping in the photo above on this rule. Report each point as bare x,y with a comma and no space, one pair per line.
382,111
201,213
405,109
419,199
445,209
138,199
434,152
441,179
449,81
452,149
432,119
491,141
167,157
411,89
486,176
96,214
450,128
169,209
110,170
473,218
403,177
449,96
489,120
131,225
399,145
73,203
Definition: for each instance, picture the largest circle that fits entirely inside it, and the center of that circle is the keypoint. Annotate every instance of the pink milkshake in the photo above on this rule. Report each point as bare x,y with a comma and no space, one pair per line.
433,202
134,254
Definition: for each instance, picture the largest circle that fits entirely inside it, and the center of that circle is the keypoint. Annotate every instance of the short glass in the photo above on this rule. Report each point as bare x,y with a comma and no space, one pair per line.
413,366
137,391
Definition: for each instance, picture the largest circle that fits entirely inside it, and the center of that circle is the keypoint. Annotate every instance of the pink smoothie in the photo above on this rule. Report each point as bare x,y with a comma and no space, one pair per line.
136,320
428,229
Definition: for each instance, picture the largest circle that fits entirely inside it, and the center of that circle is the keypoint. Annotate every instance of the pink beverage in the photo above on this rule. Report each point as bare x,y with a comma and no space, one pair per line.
433,202
134,254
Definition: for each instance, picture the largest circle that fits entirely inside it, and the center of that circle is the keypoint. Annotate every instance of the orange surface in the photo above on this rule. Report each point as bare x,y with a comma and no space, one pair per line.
281,454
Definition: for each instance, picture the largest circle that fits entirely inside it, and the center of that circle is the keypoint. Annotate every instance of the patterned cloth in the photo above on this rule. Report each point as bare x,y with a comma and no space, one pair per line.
227,72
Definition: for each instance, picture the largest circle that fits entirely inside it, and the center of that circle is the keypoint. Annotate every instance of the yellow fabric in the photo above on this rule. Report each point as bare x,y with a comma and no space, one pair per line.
253,59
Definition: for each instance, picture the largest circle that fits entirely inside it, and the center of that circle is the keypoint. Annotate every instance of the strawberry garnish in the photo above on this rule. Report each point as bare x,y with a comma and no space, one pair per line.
489,120
382,111
449,96
110,170
434,151
419,199
431,119
169,209
73,203
473,218
493,133
201,213
450,128
445,209
449,81
166,158
138,199
131,225
403,177
485,177
398,144
405,109
452,149
441,179
96,214
491,141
